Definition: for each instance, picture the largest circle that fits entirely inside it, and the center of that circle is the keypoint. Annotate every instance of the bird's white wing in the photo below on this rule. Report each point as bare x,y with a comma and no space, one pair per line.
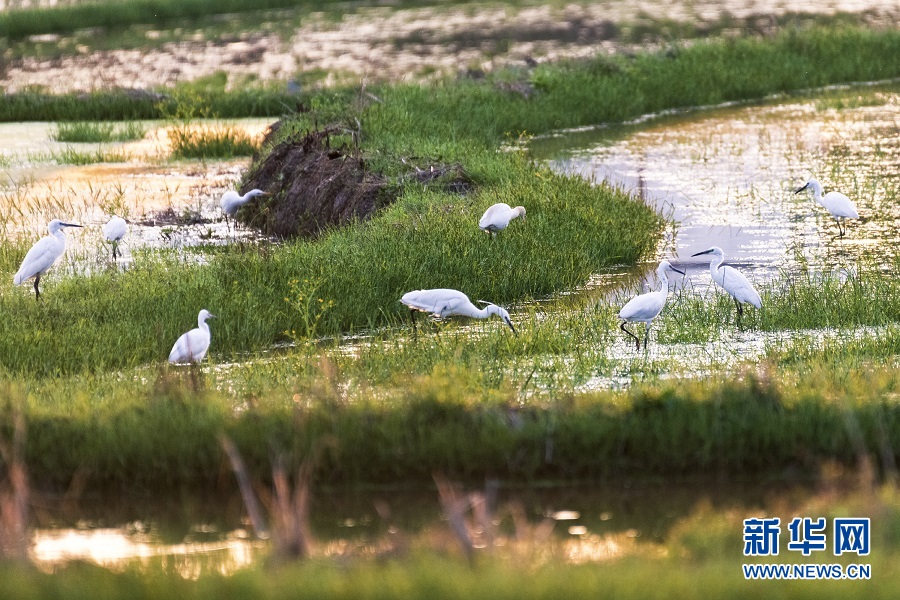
43,254
740,287
491,215
228,201
190,346
644,307
115,229
437,302
840,205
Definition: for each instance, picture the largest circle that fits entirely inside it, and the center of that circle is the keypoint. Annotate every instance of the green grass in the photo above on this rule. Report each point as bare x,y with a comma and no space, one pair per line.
110,320
607,89
88,132
74,156
210,141
158,429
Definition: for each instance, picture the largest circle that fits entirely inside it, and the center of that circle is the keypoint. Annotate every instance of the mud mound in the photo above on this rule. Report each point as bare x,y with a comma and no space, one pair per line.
313,186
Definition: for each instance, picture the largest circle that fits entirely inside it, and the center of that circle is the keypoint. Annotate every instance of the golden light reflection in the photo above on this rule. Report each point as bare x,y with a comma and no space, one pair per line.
115,548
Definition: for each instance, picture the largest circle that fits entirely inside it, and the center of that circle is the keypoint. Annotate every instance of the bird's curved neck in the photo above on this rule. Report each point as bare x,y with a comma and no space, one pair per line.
715,262
201,324
817,192
472,311
663,281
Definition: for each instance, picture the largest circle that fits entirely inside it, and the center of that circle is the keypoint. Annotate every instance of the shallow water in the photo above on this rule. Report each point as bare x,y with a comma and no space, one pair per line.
169,204
210,535
727,177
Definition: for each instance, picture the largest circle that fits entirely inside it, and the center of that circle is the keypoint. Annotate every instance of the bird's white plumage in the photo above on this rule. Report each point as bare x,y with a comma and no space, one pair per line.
115,229
231,201
730,279
497,217
44,253
836,203
442,303
646,307
192,346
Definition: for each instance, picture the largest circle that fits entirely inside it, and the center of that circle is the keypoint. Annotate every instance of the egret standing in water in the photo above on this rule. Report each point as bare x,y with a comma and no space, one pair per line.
442,303
192,346
114,231
231,201
498,216
43,254
647,306
732,281
839,205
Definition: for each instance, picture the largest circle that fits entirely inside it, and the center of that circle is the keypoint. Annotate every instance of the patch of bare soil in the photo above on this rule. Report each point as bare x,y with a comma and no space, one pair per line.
315,185
382,43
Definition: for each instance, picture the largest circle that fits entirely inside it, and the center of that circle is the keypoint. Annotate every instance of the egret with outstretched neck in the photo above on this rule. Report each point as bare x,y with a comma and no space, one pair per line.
192,346
732,281
442,303
114,231
497,217
839,205
231,201
43,254
646,307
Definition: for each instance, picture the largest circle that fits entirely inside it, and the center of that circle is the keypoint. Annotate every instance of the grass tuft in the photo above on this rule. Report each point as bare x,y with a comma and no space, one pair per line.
92,132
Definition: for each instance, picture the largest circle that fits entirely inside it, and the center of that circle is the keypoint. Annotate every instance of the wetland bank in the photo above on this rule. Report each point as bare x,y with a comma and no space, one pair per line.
312,356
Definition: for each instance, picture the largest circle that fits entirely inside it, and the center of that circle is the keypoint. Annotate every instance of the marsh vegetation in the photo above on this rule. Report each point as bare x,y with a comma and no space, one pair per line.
312,354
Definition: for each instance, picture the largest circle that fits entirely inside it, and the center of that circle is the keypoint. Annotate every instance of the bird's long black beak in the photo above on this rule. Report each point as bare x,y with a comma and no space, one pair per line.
508,322
71,225
702,253
211,316
677,271
801,189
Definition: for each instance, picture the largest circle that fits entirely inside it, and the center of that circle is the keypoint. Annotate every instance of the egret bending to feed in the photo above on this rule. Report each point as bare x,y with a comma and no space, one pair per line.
647,306
192,346
115,231
839,205
498,216
231,201
43,254
442,303
732,281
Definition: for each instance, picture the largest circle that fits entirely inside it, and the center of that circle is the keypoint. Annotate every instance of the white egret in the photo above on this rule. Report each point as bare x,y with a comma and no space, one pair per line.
442,303
732,281
231,201
192,346
497,217
114,231
839,205
646,307
43,254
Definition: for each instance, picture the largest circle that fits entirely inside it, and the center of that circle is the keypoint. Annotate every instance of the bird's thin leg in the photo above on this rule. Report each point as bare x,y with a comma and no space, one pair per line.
115,245
646,335
637,340
412,319
37,292
740,313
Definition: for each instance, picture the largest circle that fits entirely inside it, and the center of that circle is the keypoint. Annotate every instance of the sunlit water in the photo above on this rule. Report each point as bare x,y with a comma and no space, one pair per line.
211,535
727,178
169,204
